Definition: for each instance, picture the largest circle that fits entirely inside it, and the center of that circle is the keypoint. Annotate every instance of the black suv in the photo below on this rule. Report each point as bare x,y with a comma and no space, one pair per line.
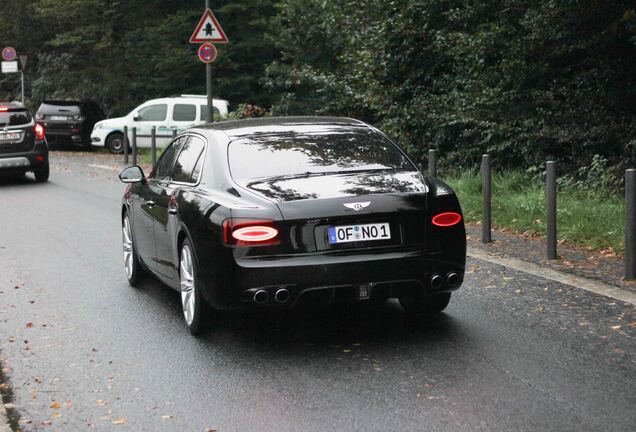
69,122
23,146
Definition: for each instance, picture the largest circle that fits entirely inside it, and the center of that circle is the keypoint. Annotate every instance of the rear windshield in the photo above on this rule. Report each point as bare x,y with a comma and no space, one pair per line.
292,154
65,108
14,117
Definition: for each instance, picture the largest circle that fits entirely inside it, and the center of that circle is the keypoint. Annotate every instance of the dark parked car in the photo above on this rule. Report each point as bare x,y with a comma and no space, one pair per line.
69,122
275,212
23,146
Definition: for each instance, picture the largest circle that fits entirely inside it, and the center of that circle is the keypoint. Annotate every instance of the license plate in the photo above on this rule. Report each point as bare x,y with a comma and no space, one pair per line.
355,233
59,118
9,136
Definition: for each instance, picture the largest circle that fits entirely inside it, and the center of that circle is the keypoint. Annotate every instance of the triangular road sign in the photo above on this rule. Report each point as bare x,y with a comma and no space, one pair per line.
208,30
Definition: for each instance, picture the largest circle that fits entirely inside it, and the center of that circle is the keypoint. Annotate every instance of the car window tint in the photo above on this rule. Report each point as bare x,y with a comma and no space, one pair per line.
187,160
329,149
14,118
204,112
153,113
184,112
165,162
59,108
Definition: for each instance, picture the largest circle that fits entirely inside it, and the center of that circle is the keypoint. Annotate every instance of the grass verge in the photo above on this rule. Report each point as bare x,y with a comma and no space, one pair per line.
592,218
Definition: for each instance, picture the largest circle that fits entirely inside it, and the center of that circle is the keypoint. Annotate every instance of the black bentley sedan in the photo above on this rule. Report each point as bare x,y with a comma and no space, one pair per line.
275,212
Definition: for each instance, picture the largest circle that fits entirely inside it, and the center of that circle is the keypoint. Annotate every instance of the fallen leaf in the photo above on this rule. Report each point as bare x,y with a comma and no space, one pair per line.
616,327
47,423
56,405
121,421
57,415
168,416
101,402
26,421
29,325
9,406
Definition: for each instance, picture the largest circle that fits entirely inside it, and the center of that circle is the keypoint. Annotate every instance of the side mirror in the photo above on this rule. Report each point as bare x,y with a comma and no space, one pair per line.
132,174
136,117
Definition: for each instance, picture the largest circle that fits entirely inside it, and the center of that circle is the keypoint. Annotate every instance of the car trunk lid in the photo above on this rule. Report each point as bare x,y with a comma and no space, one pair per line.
388,204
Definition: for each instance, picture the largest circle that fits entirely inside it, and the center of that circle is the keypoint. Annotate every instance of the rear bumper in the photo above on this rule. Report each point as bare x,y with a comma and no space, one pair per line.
22,162
333,277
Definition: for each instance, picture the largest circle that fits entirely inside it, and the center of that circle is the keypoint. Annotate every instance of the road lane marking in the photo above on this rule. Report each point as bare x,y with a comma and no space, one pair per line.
557,276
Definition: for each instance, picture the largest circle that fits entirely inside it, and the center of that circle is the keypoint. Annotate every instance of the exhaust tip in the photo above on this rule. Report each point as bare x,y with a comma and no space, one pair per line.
437,281
282,295
452,279
261,296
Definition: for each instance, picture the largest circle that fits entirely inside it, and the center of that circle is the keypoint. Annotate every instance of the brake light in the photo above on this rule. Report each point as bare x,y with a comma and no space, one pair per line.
238,232
39,131
446,219
4,109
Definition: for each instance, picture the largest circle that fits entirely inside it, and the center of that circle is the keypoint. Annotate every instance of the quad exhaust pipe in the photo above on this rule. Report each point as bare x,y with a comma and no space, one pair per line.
452,279
282,295
437,281
261,297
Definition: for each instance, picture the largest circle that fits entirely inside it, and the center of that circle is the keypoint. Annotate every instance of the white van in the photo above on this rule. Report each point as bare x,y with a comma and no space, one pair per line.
166,114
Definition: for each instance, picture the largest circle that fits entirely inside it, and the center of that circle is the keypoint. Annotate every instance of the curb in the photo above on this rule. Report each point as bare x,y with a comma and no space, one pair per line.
557,276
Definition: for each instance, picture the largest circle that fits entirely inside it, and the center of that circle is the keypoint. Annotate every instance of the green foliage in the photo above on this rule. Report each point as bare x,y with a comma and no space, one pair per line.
521,80
588,216
123,52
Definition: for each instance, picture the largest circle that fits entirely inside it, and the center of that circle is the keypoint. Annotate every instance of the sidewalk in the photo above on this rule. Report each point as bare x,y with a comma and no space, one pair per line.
600,266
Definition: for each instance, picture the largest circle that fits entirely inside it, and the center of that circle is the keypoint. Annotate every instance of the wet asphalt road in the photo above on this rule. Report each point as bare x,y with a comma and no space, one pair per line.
85,351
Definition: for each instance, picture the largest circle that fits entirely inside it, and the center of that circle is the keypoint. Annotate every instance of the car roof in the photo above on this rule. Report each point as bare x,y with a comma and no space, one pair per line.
264,125
14,104
190,98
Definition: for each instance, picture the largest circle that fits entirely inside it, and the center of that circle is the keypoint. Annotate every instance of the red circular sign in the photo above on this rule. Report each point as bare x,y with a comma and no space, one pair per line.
9,54
207,53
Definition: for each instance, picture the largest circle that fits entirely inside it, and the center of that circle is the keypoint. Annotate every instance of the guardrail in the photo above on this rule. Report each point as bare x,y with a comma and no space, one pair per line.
551,209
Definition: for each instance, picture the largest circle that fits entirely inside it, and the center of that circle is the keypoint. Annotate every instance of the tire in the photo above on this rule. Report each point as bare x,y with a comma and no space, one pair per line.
115,142
428,305
193,305
132,267
42,174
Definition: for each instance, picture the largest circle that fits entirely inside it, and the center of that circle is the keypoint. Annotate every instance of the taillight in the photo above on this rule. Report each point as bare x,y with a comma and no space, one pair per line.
446,219
237,232
39,131
4,109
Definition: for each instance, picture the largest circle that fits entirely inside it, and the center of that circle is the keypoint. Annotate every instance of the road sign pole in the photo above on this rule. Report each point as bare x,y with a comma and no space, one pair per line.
208,87
22,80
208,81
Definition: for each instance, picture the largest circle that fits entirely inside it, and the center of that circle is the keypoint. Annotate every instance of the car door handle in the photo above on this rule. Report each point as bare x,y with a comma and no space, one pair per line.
150,203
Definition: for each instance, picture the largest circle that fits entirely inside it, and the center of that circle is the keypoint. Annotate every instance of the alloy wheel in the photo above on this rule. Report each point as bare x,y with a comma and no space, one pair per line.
186,274
128,247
